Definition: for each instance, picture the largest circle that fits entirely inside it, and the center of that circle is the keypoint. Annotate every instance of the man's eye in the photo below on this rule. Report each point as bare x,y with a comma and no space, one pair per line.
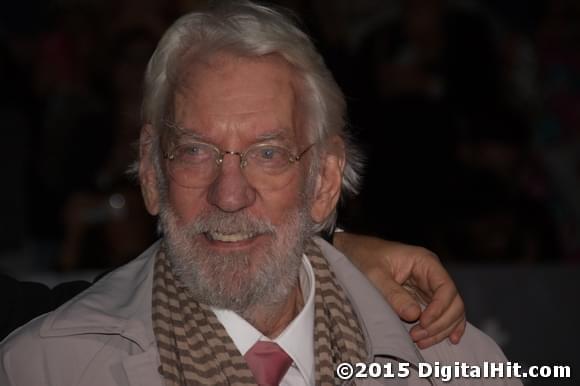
269,153
269,156
272,155
192,150
194,153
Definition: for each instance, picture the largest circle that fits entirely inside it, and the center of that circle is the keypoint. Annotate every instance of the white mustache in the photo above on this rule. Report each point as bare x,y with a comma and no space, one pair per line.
223,223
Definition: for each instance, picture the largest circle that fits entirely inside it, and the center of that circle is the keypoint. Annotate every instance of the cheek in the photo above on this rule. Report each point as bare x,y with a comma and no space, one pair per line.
186,203
277,205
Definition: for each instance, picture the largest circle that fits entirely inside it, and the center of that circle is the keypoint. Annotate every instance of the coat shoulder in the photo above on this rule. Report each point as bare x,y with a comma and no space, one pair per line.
27,358
475,347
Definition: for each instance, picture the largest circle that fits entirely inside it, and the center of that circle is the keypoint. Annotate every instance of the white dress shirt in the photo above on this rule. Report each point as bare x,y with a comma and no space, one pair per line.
297,339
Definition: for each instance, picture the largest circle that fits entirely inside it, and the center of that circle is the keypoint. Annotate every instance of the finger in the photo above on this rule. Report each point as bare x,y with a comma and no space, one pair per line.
431,340
457,332
445,302
446,322
402,301
434,286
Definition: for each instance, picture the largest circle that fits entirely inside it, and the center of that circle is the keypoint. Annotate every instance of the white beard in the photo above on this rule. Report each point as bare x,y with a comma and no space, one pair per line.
263,276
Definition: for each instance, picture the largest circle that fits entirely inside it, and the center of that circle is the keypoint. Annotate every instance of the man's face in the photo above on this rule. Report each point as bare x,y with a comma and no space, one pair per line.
232,243
234,103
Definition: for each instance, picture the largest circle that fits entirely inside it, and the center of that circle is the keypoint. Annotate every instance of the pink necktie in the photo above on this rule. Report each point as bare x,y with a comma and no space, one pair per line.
268,362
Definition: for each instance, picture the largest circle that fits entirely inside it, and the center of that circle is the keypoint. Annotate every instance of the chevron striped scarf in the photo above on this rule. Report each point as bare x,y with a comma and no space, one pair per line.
195,349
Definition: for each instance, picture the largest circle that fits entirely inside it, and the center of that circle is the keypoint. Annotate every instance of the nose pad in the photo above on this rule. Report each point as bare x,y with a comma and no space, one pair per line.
230,191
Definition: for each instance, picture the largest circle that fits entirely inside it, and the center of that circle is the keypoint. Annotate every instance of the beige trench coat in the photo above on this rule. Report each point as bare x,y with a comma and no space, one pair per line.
104,336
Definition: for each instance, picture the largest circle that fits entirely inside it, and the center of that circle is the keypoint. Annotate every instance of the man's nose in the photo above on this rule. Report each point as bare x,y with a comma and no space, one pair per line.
231,191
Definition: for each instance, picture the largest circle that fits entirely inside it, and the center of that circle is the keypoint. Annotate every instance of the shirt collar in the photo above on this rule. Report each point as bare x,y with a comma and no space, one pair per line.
296,339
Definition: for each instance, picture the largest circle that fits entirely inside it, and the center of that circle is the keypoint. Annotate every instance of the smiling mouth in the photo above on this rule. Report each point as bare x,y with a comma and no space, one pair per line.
230,237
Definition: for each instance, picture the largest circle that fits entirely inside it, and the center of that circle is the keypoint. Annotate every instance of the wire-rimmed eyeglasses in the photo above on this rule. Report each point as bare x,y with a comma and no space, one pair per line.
196,164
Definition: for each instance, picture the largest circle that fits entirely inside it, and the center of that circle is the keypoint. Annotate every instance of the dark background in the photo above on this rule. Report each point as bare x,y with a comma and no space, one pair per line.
468,111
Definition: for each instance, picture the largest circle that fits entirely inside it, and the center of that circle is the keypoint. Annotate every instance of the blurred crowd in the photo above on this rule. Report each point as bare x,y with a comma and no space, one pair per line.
469,113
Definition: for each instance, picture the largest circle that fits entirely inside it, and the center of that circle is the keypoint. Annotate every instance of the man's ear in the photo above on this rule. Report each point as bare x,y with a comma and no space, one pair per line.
147,171
329,180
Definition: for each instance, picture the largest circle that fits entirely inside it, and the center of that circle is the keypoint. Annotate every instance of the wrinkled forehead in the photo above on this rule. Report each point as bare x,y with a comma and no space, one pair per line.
228,79
226,84
225,61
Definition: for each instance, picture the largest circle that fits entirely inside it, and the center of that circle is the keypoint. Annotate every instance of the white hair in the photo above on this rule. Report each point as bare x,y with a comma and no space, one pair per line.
249,30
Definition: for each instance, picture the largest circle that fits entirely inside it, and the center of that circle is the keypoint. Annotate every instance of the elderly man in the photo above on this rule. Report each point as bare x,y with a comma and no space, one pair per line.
243,156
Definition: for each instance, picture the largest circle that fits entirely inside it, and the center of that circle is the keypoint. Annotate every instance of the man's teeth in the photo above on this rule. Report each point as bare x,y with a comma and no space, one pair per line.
229,238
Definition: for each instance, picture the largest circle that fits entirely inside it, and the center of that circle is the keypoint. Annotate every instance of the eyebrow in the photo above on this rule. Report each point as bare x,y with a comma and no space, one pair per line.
188,132
274,135
192,133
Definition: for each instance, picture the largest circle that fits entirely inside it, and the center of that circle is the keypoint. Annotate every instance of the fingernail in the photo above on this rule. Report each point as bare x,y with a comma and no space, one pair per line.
424,344
405,310
420,334
453,339
410,312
